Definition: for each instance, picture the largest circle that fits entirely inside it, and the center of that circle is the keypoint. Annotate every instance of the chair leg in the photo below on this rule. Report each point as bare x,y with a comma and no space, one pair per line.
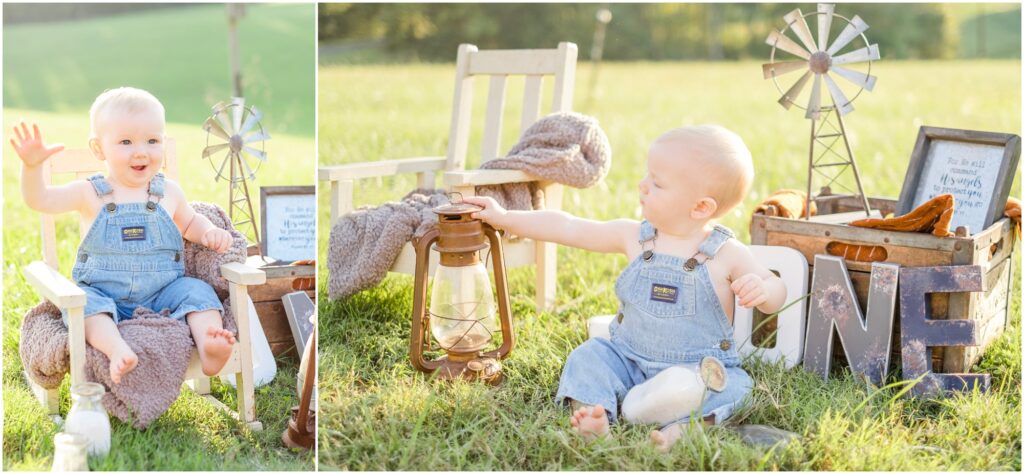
244,378
48,397
199,385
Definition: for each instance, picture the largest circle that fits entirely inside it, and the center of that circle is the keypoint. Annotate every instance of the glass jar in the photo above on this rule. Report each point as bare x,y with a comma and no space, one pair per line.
88,417
462,308
69,452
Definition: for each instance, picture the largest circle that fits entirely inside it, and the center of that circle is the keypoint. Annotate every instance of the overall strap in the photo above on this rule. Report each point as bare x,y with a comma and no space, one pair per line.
104,191
647,232
156,191
100,185
156,186
718,237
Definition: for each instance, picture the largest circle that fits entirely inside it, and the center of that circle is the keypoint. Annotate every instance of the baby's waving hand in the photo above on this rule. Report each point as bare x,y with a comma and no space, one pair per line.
30,146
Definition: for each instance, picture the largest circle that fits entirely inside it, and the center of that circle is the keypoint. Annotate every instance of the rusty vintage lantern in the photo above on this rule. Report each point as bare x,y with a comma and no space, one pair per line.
463,314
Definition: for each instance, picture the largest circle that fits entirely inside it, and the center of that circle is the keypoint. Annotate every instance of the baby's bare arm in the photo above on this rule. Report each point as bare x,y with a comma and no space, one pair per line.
33,152
557,226
755,285
196,227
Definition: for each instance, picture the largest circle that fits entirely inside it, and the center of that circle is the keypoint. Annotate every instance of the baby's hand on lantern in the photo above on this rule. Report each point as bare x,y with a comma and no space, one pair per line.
492,212
217,239
30,146
749,289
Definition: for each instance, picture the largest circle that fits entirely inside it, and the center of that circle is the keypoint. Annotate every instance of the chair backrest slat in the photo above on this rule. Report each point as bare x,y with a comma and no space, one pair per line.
492,124
499,64
82,164
531,101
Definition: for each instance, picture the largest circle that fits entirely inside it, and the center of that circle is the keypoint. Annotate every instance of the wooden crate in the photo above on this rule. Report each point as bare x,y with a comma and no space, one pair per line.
992,249
281,280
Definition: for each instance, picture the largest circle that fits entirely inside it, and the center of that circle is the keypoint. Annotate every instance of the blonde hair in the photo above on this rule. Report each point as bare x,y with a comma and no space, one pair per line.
124,99
725,163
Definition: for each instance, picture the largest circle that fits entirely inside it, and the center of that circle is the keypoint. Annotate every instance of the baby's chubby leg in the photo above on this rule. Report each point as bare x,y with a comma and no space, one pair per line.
212,340
674,393
101,332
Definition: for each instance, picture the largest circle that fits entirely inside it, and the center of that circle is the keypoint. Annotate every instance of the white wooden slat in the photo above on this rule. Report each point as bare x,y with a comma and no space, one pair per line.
374,169
53,286
531,102
76,342
244,383
565,78
462,107
342,194
518,61
485,177
492,123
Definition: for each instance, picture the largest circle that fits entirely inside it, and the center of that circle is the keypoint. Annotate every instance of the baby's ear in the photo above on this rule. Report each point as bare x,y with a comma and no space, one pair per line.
97,151
704,208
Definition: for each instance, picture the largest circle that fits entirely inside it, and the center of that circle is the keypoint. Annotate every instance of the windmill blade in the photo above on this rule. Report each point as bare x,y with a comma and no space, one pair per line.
842,104
869,53
856,27
777,69
863,80
791,95
262,156
814,103
220,171
211,126
236,114
214,149
796,19
780,41
248,169
221,116
262,135
825,11
253,118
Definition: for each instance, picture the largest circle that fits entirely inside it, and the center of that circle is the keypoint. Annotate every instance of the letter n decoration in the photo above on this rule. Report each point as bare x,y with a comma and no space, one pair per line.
920,333
866,341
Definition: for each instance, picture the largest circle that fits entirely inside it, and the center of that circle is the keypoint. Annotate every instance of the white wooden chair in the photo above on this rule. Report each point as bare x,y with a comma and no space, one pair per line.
498,65
59,290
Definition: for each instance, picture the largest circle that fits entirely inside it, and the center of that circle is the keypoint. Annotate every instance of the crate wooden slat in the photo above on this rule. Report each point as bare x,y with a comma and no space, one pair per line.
991,248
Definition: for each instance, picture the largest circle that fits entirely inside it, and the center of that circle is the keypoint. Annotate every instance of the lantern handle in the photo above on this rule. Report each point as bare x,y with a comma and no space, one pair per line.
419,300
501,285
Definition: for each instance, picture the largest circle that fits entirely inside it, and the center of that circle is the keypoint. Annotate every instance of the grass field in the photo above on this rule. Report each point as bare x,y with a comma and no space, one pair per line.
277,46
179,54
378,413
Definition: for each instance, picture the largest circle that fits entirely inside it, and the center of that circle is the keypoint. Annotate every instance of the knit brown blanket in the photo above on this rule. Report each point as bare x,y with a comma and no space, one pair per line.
164,346
567,148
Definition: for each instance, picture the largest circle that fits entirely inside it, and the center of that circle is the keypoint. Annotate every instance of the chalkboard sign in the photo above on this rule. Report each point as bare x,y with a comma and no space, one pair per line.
288,222
977,168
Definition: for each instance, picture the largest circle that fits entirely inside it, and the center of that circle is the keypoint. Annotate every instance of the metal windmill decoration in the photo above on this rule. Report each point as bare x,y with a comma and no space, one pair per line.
235,147
821,60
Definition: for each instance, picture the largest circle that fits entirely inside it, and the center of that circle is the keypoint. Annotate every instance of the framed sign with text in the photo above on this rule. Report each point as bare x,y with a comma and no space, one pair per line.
288,222
977,168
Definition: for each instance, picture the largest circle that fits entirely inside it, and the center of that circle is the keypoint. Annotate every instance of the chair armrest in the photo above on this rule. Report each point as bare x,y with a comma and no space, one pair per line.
485,177
242,274
375,169
54,286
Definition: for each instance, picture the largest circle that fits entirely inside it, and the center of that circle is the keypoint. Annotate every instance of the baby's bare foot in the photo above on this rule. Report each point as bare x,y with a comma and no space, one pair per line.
216,350
590,422
122,361
665,438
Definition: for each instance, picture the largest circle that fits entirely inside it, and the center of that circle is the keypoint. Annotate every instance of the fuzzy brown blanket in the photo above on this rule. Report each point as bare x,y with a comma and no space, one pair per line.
567,148
164,346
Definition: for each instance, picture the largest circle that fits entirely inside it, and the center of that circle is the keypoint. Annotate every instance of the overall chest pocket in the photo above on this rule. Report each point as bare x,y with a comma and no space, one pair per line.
665,293
132,234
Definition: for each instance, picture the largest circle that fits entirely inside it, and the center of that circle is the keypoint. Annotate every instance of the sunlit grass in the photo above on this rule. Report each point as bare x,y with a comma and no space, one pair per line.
379,413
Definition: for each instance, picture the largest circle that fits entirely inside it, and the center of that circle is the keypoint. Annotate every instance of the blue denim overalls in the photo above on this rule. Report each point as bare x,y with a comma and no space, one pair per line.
667,316
133,256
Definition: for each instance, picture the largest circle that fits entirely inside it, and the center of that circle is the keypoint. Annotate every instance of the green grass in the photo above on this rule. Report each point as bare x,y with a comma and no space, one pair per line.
179,54
192,435
378,413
